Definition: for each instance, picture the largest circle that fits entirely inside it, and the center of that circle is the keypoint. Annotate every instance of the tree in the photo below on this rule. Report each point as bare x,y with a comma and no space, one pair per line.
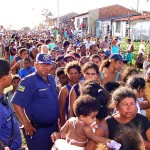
46,13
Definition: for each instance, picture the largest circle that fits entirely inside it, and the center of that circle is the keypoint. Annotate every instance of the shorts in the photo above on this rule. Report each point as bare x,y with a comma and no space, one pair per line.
129,57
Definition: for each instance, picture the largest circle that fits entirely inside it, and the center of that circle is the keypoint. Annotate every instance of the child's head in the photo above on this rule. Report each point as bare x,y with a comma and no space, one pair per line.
95,58
26,63
129,138
23,52
15,81
138,84
86,109
63,78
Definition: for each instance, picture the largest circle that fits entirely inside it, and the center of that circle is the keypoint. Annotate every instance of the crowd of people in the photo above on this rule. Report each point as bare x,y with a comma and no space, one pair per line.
73,93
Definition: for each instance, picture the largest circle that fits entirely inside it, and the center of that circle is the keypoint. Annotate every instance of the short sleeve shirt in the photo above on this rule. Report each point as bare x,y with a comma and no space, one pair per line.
139,121
38,98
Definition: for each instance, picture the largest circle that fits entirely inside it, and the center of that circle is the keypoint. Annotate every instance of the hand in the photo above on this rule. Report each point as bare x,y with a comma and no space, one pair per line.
29,129
55,136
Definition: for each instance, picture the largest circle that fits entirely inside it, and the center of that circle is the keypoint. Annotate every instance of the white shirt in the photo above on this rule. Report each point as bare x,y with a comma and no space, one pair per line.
143,112
141,49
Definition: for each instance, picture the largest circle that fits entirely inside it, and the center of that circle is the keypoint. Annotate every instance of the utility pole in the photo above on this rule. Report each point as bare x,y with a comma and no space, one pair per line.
58,14
137,6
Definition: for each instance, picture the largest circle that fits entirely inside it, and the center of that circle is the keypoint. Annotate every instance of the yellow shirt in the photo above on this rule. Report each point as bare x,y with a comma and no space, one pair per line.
147,94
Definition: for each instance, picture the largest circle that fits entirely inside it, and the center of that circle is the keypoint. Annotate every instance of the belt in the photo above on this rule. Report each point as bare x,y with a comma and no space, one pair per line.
38,126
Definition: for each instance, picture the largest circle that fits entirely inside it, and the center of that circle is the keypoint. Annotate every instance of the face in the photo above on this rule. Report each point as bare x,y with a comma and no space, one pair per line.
88,120
69,59
90,74
140,93
26,64
53,69
61,63
94,50
74,75
102,55
63,79
15,83
53,54
24,55
96,61
7,79
43,69
127,107
118,65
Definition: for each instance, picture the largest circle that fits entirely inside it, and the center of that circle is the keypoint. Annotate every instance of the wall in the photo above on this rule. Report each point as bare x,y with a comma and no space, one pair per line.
93,16
140,29
81,20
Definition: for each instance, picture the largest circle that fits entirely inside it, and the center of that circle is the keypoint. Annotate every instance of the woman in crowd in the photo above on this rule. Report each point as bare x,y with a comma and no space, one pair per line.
124,100
73,71
90,71
110,69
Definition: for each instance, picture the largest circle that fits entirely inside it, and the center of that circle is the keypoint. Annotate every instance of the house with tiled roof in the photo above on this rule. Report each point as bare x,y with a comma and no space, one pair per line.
107,15
136,27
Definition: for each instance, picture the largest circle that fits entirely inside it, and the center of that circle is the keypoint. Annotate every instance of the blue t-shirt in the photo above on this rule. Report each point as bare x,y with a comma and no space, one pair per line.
115,49
24,72
7,120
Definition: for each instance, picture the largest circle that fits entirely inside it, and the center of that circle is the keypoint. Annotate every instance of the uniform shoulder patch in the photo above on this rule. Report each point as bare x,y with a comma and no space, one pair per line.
21,88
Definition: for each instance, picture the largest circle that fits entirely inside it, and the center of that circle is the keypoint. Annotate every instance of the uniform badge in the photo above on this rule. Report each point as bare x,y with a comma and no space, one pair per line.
21,88
46,57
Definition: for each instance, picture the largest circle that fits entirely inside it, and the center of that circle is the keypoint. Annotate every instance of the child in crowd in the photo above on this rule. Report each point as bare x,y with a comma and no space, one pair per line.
139,61
79,129
129,138
15,81
146,65
27,68
63,78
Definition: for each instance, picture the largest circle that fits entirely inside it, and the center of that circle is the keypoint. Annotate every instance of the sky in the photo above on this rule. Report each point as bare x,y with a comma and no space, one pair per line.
21,13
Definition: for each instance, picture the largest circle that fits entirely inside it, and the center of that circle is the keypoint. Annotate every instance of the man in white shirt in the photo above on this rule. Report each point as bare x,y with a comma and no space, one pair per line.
142,47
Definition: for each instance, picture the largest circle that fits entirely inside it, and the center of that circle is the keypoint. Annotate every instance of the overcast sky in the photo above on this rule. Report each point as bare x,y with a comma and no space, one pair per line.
21,13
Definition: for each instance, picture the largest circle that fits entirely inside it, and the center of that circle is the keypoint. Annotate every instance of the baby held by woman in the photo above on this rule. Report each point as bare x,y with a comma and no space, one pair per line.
80,128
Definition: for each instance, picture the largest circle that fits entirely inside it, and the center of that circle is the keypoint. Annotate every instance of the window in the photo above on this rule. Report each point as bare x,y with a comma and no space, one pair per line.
118,26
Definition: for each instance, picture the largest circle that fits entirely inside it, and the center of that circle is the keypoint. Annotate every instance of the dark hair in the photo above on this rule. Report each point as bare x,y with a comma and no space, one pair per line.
66,43
129,40
94,89
16,77
128,72
22,50
95,56
89,65
136,83
111,86
4,67
122,93
91,46
27,59
47,41
84,105
60,71
105,63
73,64
128,137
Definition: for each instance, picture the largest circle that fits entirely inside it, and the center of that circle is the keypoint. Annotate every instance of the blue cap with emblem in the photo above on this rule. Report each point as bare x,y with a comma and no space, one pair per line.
43,58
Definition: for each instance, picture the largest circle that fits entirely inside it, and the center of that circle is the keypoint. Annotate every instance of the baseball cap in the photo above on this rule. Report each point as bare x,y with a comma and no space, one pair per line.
117,57
43,58
107,52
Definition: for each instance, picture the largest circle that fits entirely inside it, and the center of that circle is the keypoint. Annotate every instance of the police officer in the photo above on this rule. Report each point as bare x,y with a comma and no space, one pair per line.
9,130
36,104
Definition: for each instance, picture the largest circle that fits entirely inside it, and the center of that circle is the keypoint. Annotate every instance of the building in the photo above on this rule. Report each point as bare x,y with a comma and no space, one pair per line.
105,26
135,27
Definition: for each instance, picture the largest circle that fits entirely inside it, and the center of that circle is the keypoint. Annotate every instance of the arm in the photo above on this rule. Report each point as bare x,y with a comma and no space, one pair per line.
62,101
144,104
147,143
16,66
29,129
93,137
72,98
99,132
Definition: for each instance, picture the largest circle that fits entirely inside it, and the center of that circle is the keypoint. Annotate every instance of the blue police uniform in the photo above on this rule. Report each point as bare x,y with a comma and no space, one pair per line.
40,101
9,129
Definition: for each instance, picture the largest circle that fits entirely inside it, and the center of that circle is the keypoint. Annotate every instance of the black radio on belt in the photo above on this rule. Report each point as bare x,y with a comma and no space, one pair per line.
4,101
